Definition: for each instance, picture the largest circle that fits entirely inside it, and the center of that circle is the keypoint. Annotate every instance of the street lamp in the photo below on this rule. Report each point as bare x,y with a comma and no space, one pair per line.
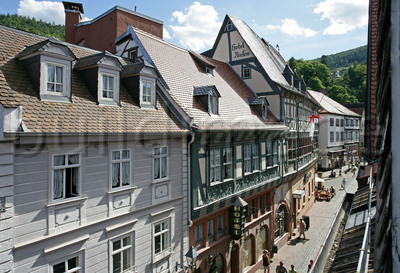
191,259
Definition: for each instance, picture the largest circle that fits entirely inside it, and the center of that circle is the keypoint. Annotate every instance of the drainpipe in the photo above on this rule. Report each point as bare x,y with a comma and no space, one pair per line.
190,222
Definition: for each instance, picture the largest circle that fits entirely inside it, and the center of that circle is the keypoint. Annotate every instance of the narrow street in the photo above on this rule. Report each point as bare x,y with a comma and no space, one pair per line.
322,215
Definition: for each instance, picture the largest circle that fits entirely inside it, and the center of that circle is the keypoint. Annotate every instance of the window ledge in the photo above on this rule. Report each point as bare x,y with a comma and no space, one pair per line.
165,254
54,98
68,201
122,190
160,180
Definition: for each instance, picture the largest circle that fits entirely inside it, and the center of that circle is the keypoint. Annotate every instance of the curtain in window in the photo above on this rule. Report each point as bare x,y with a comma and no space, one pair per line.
164,167
50,77
156,168
58,177
59,78
115,175
58,184
125,173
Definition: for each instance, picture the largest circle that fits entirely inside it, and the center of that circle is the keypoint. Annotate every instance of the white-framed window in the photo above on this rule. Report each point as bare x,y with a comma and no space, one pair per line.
247,158
122,254
161,235
213,105
215,165
108,86
147,92
70,265
256,157
227,161
160,163
65,176
55,78
246,73
120,168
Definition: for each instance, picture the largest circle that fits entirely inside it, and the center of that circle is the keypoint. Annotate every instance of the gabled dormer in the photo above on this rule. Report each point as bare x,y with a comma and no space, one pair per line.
208,96
296,81
288,74
101,73
140,80
260,105
48,64
205,65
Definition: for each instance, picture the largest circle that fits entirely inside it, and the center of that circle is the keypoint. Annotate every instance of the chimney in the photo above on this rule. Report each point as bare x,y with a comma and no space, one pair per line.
73,15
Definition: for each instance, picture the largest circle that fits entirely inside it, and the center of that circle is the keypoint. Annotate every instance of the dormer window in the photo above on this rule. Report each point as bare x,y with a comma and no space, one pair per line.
147,92
49,66
102,75
260,104
265,111
108,86
209,71
213,105
208,97
55,78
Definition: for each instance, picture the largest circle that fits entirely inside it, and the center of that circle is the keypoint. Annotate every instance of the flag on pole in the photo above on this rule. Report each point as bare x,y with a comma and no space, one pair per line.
312,117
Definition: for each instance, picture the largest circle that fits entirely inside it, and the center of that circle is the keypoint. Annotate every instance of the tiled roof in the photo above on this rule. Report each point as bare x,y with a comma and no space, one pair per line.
182,74
84,115
331,106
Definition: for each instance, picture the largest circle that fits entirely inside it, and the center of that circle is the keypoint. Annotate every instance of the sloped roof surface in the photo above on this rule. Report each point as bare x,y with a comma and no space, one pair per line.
84,115
182,74
331,106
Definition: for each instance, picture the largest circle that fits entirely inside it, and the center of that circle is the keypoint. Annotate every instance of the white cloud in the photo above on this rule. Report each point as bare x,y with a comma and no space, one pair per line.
344,15
47,11
197,26
292,28
166,34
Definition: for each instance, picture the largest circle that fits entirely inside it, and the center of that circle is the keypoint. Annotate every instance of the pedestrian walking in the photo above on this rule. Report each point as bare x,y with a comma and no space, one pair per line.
266,261
281,268
302,228
343,183
292,270
310,266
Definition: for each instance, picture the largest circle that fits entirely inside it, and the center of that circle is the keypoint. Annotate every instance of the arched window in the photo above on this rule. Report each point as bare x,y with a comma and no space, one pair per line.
281,222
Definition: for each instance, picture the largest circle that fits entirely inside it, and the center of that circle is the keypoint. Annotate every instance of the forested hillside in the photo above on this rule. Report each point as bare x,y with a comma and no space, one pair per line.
343,60
33,26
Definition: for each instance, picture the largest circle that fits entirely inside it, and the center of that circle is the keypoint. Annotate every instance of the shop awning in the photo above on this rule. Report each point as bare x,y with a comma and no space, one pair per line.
318,179
298,194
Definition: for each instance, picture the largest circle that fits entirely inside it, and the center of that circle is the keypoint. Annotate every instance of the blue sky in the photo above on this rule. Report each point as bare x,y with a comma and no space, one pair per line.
303,29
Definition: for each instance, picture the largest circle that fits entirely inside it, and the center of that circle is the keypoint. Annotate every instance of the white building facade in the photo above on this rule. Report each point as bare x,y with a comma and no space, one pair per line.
339,133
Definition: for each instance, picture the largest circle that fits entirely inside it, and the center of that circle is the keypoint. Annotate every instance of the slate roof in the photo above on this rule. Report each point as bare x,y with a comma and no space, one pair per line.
84,115
182,73
331,106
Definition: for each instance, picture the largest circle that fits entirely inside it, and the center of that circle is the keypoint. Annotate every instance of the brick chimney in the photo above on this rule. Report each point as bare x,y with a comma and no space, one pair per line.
73,16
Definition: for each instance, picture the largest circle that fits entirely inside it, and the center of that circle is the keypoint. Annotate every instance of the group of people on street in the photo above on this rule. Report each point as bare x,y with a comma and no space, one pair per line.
280,268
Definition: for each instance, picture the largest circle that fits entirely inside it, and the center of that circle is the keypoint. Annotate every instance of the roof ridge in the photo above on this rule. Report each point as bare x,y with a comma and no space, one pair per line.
159,39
